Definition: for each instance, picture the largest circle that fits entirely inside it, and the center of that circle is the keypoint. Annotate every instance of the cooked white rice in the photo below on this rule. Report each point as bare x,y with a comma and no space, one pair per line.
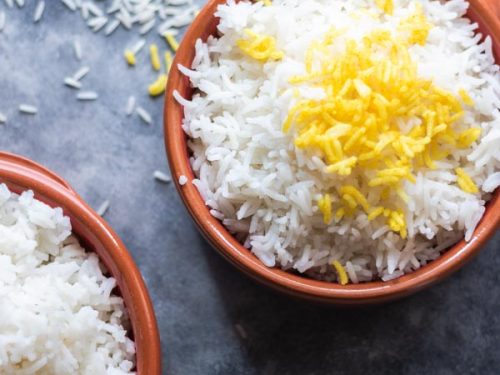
266,191
58,314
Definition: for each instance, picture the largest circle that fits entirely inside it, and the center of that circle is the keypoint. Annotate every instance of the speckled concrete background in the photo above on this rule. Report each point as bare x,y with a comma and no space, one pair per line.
453,328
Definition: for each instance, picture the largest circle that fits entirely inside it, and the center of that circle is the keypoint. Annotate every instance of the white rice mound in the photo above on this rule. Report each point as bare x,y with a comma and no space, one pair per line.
57,311
265,191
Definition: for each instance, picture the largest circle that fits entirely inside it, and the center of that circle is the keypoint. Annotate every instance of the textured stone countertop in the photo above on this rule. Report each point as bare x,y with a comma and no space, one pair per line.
453,328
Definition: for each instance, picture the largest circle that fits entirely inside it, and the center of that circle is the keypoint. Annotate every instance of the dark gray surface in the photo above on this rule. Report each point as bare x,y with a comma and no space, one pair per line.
453,328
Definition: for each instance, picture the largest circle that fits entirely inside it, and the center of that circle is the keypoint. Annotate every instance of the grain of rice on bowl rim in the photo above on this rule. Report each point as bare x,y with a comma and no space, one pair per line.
346,140
58,312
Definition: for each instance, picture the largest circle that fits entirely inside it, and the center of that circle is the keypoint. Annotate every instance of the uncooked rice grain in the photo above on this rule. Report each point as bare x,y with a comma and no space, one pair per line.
2,21
130,105
111,27
138,46
87,95
28,109
80,73
77,47
40,7
144,115
162,177
103,208
70,4
71,82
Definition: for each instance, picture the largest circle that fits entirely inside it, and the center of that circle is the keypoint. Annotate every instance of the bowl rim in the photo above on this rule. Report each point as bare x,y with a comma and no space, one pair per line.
299,286
21,174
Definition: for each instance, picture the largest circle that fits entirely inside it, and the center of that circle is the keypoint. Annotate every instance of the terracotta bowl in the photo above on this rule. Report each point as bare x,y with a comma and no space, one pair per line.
95,235
487,14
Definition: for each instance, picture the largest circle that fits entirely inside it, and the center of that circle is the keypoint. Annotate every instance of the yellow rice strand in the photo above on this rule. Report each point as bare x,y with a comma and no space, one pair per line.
129,57
341,272
172,42
158,87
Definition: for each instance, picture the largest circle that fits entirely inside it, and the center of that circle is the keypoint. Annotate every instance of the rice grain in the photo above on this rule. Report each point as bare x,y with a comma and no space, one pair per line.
71,82
144,115
28,109
2,21
87,95
162,177
111,27
103,208
40,7
70,4
77,47
80,73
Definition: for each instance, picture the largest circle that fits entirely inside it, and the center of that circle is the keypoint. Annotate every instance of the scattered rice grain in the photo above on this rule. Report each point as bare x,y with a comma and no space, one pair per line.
40,7
28,109
80,73
112,26
73,83
87,95
70,4
138,46
103,208
2,21
130,105
162,177
144,115
77,47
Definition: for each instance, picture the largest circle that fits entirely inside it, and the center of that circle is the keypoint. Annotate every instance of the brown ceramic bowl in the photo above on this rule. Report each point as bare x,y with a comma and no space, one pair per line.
95,235
487,14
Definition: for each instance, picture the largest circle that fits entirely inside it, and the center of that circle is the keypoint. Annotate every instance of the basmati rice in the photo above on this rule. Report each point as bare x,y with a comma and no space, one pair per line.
87,95
138,46
40,7
71,82
58,313
80,73
28,109
103,208
78,49
144,115
2,21
69,4
112,26
267,191
162,177
97,23
130,105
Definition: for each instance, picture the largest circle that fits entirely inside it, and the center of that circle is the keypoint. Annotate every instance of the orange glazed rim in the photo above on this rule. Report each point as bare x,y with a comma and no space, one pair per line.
482,12
95,234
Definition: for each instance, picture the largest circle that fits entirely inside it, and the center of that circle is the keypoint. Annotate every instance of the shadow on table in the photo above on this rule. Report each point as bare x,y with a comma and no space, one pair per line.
431,332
